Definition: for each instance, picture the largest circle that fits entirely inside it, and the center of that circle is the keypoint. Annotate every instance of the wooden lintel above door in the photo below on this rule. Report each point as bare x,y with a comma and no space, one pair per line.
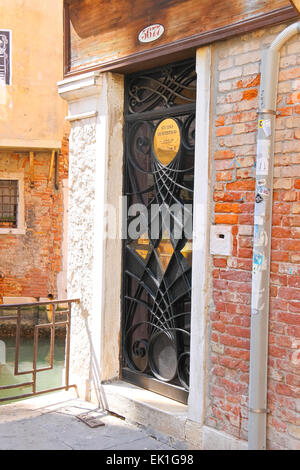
97,41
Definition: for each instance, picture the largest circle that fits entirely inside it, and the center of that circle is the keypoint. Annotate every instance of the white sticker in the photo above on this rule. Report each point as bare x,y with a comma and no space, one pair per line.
263,155
261,238
258,300
262,165
258,220
260,209
266,125
263,147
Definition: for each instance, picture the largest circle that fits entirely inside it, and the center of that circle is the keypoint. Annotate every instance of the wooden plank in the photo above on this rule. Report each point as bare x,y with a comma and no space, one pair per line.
98,39
31,165
51,166
67,37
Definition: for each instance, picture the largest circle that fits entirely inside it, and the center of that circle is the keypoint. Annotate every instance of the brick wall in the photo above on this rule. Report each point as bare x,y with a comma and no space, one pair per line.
236,88
30,263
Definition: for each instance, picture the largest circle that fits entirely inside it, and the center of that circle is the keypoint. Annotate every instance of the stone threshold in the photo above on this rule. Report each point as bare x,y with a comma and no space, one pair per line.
161,417
164,419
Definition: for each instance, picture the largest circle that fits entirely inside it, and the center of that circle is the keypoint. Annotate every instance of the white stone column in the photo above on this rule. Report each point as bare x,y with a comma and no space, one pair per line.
201,224
94,262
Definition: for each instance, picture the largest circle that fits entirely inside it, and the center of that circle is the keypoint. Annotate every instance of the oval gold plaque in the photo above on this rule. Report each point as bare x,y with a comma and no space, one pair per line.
166,141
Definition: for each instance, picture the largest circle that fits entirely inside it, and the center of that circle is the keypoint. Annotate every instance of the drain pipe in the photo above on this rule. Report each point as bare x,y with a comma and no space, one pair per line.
257,423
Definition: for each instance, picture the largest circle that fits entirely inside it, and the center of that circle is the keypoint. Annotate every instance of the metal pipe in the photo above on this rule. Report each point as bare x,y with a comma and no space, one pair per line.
257,423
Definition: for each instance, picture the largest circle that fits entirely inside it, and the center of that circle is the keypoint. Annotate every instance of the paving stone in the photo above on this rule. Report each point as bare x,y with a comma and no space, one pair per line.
55,426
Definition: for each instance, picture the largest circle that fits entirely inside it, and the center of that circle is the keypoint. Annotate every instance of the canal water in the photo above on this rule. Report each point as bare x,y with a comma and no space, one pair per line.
46,379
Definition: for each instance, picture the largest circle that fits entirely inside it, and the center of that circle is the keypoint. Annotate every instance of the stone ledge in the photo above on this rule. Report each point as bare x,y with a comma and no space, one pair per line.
165,419
81,86
218,440
25,145
159,416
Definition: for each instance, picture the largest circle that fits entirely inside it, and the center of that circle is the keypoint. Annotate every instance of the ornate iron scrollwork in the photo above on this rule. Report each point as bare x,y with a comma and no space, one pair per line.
157,269
170,86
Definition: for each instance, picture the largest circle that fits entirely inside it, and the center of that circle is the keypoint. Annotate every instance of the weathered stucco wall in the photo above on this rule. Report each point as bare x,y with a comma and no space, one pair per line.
31,112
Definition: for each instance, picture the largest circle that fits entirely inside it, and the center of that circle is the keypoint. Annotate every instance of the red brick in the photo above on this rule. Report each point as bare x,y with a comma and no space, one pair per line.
280,426
241,276
231,386
218,326
220,262
289,318
276,351
227,207
279,232
241,185
249,94
238,331
293,98
224,154
289,74
220,121
219,371
289,293
283,389
217,392
234,341
221,131
226,219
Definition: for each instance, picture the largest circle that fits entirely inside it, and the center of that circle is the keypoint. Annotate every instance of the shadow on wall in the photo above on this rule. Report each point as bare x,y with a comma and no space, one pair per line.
95,373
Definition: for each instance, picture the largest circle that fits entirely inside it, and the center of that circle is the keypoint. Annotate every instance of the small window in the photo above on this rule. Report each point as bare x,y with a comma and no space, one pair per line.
8,203
5,52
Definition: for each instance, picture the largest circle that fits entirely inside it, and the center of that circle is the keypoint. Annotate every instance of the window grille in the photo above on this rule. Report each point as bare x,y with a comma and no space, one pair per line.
8,203
5,57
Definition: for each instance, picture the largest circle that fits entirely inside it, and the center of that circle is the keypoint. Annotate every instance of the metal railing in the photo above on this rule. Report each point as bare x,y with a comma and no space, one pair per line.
52,314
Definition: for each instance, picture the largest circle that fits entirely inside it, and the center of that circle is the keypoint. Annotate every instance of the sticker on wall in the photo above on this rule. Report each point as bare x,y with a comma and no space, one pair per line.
262,166
257,258
260,207
258,198
151,33
263,191
258,220
263,155
260,236
259,262
258,301
265,125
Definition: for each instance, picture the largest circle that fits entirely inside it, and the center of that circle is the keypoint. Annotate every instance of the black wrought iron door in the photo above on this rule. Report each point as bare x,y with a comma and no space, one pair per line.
159,179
